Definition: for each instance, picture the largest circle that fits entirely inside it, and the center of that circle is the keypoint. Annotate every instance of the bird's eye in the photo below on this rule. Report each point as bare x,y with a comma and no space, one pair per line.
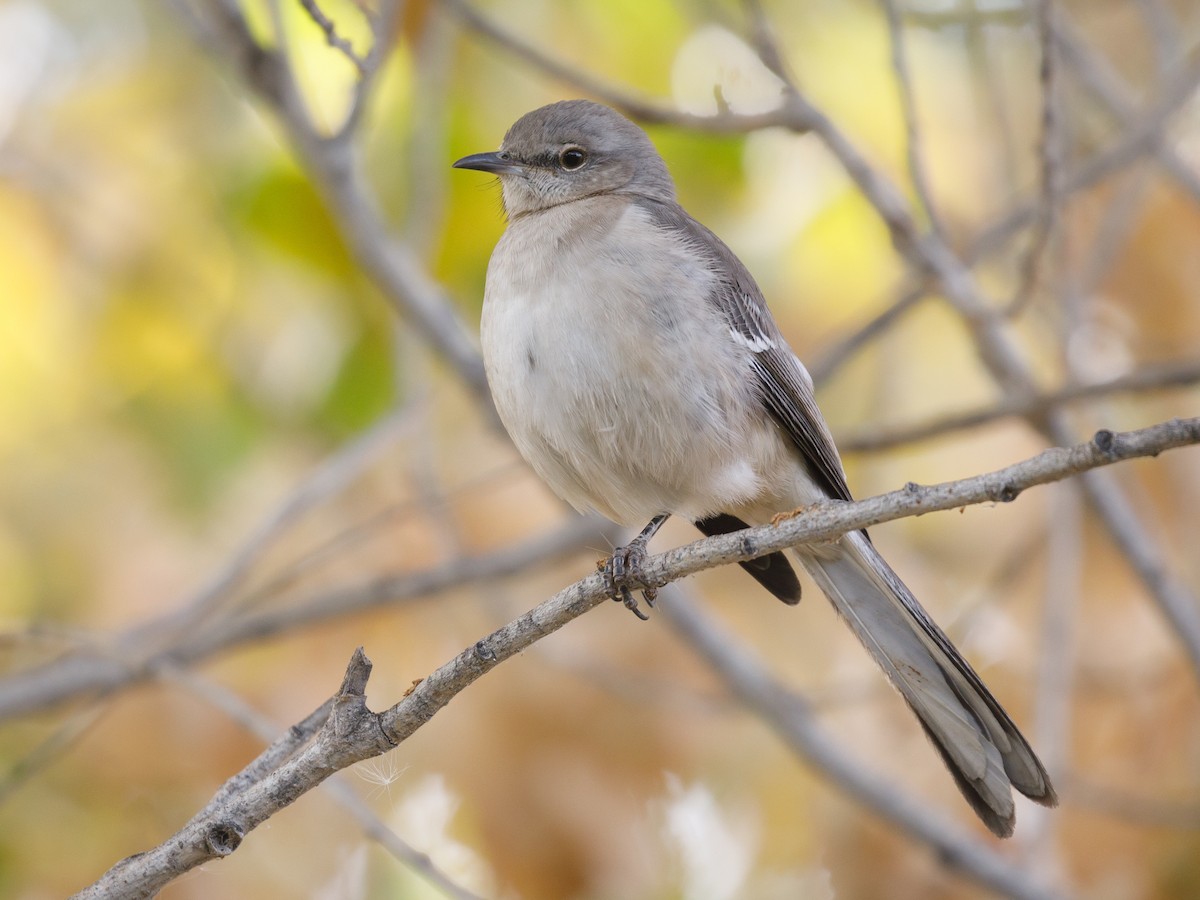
572,158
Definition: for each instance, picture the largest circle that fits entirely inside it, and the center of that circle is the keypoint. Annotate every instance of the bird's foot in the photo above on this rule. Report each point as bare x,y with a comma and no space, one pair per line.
623,576
623,570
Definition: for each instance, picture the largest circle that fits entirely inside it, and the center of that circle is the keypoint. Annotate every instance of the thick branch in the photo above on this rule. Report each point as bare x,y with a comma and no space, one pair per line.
236,708
348,732
352,733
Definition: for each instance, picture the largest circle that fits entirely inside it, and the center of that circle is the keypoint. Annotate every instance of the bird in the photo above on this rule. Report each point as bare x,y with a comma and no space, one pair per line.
636,367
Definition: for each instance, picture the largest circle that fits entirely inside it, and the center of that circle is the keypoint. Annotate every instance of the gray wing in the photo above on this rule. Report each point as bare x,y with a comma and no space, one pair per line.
784,383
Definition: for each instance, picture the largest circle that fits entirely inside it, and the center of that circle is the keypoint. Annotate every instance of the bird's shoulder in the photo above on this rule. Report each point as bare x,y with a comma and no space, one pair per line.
735,294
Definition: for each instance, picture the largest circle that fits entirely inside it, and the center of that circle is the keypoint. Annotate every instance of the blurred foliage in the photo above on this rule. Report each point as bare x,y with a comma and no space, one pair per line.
184,336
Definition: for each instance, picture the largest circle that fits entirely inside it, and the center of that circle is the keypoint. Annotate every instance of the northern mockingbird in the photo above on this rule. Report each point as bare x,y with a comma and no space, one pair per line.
637,369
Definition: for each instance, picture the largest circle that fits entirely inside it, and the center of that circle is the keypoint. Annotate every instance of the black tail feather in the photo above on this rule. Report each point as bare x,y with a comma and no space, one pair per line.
772,571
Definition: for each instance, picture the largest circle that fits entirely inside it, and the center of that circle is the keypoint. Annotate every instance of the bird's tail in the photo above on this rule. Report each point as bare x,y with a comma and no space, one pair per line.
978,741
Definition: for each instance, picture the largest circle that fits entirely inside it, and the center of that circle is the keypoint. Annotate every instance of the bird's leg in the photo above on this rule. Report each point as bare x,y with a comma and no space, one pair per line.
624,568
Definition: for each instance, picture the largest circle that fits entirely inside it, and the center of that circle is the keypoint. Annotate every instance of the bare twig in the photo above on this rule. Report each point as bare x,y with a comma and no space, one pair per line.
400,849
333,474
429,501
997,346
308,753
304,757
108,669
1104,83
1057,656
908,107
635,106
762,37
1177,603
351,733
1164,29
1142,134
1050,153
1113,231
987,87
1148,379
1000,486
836,356
335,40
336,169
47,751
256,723
383,26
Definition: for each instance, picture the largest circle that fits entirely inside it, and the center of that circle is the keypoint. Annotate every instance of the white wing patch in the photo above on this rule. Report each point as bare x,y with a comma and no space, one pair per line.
758,343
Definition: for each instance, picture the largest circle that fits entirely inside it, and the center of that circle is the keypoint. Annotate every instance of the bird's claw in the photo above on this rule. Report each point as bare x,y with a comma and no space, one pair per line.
623,575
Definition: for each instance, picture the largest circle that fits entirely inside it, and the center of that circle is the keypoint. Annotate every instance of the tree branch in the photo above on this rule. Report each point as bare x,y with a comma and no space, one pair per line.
917,170
348,732
998,348
249,718
138,654
336,169
1151,378
1050,163
335,40
631,104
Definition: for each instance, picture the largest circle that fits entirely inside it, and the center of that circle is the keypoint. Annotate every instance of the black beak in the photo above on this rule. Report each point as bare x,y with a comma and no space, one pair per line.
495,163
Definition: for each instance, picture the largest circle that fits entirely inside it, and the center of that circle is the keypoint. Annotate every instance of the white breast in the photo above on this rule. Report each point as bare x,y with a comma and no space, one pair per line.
616,379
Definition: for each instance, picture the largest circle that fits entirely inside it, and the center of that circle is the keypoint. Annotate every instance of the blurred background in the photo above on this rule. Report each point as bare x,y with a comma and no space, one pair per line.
228,456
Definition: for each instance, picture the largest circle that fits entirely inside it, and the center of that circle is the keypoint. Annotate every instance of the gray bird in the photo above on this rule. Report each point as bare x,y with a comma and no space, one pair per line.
637,369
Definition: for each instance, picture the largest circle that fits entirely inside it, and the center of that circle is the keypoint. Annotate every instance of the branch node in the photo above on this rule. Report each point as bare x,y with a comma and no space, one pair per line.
484,652
357,673
351,701
222,838
1008,493
335,40
383,731
1105,442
